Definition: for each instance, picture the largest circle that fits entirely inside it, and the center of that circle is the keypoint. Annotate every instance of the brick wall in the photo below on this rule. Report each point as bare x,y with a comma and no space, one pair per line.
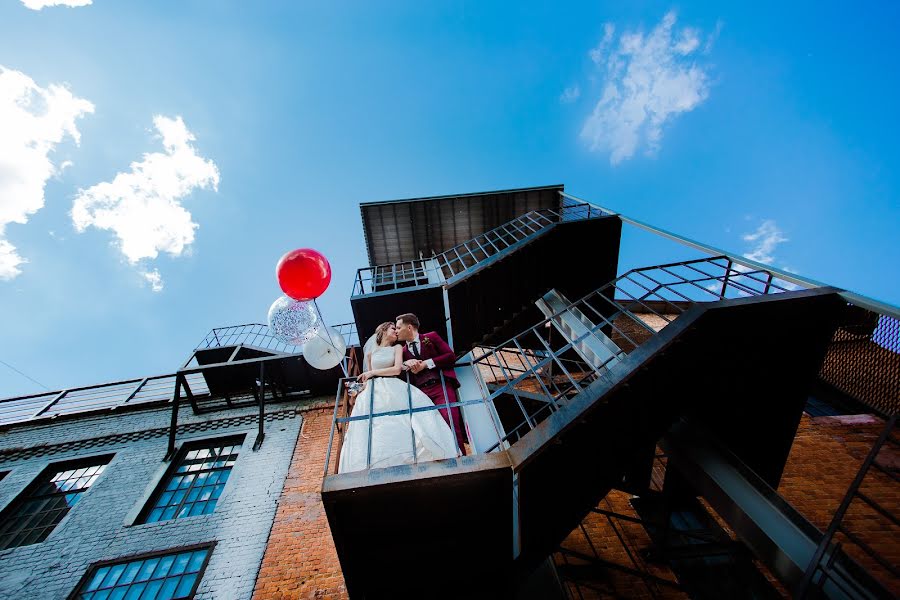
100,527
300,560
824,459
599,537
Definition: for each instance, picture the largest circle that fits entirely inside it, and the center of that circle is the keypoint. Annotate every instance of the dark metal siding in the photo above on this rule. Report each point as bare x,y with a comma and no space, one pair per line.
403,230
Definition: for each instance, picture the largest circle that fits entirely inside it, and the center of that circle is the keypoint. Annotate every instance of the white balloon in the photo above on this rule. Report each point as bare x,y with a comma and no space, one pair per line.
326,350
293,321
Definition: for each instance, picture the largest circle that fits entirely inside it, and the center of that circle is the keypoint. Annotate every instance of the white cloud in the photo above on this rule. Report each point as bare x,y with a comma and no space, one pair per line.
647,81
570,94
39,4
764,241
599,53
33,121
143,207
154,278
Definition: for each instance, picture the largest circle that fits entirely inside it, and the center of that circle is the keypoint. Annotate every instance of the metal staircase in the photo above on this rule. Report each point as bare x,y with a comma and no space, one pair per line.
576,397
472,289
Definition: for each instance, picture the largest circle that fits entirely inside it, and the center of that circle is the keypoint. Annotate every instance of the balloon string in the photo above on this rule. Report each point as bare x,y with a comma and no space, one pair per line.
328,338
322,321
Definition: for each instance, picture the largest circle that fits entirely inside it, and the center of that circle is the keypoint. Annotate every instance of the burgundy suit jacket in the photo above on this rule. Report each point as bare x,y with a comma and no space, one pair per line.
433,346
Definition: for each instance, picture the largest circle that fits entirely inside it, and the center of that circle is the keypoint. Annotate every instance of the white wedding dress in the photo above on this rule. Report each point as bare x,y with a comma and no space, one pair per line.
392,442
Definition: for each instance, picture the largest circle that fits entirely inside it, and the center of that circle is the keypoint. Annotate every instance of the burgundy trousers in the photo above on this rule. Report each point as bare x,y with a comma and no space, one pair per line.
436,393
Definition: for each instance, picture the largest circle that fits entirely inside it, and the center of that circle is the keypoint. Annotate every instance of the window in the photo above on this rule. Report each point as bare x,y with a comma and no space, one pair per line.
39,509
160,576
195,482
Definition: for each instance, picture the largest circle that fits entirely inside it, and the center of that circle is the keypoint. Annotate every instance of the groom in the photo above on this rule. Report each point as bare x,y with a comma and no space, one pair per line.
427,355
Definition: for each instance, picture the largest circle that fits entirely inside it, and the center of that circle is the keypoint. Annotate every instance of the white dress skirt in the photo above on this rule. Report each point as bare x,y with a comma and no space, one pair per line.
393,437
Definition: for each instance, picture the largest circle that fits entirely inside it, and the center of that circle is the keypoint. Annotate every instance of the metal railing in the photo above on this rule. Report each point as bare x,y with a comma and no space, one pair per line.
534,373
863,360
460,259
146,390
824,568
105,396
346,417
258,335
267,377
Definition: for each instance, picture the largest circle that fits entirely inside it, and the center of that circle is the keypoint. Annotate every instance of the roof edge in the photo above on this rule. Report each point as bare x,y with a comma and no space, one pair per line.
559,187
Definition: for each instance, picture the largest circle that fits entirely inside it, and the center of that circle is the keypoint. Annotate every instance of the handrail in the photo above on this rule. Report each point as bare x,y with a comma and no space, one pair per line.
851,297
233,335
454,262
117,394
340,423
531,366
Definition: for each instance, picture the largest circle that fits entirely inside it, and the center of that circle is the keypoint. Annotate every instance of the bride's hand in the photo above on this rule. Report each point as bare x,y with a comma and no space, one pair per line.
364,377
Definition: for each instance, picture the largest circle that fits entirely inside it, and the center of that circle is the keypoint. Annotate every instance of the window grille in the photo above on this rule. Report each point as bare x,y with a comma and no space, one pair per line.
166,576
195,481
39,509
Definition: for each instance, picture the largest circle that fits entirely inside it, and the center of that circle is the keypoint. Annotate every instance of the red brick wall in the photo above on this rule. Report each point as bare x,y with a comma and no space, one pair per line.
824,459
598,537
300,559
301,562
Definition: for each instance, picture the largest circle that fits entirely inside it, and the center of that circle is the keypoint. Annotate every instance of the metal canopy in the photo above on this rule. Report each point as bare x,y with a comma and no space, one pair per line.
401,230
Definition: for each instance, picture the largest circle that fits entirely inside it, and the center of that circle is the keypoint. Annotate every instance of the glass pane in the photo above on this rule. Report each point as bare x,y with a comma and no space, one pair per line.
135,591
167,592
152,590
130,572
94,583
147,569
113,576
162,569
181,562
184,587
119,593
196,561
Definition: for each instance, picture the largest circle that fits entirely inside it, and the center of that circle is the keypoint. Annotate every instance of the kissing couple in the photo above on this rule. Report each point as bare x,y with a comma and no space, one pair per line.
399,439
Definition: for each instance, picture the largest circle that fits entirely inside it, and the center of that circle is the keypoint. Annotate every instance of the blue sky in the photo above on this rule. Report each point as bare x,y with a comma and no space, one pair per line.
265,124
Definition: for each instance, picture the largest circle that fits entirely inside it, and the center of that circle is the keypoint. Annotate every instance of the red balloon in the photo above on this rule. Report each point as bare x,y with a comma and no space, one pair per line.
303,274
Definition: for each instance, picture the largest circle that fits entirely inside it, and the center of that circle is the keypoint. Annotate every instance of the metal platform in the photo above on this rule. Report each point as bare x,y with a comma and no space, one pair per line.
438,529
716,361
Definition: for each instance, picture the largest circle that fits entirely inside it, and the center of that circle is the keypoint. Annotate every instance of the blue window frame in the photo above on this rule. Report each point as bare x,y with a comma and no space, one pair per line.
195,480
169,575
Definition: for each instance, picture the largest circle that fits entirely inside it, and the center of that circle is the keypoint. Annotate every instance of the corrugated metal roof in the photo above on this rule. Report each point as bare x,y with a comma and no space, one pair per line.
401,230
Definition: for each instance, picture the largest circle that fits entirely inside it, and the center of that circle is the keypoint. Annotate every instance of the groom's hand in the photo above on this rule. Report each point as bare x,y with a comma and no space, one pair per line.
418,367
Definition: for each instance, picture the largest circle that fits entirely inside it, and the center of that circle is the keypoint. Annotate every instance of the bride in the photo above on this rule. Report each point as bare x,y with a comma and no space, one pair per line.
393,436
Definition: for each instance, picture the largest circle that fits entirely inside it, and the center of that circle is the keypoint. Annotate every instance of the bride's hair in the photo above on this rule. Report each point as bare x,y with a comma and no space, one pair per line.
381,330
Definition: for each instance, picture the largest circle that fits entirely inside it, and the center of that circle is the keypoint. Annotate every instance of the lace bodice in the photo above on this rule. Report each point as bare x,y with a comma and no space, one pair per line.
383,357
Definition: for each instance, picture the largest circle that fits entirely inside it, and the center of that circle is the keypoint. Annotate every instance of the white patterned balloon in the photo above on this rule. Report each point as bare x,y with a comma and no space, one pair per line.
293,321
326,350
